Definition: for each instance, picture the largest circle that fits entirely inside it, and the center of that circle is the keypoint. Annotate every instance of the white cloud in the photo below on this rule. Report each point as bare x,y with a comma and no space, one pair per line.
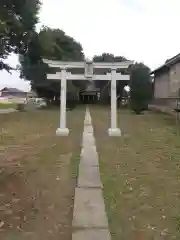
13,80
141,30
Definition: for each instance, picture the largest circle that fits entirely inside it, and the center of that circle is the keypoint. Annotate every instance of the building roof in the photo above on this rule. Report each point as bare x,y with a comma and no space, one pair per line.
14,90
168,63
90,91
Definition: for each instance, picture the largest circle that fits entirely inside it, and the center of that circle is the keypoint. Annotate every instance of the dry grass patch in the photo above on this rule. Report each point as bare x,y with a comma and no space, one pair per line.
38,174
141,174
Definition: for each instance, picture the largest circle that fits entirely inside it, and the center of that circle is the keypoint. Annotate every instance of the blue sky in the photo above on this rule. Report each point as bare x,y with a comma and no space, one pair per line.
141,30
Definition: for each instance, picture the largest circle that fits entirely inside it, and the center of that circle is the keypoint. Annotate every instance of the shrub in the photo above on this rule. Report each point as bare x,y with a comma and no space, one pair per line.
140,88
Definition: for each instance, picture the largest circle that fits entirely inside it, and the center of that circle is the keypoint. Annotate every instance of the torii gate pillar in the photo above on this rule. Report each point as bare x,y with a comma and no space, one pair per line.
63,130
113,131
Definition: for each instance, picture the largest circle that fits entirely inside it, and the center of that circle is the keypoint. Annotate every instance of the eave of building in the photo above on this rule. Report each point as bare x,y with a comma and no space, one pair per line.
169,63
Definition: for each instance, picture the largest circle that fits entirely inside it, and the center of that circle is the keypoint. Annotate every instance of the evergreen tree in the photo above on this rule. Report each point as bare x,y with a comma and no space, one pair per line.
140,87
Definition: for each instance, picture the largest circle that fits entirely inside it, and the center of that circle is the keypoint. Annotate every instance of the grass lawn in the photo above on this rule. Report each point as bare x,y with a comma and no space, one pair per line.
38,174
141,174
7,105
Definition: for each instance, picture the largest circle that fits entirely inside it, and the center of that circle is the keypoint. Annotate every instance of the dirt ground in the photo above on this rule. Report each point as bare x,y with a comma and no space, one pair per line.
140,172
38,174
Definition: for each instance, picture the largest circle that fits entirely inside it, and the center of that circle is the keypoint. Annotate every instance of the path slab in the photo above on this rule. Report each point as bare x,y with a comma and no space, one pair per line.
89,156
89,177
94,234
89,210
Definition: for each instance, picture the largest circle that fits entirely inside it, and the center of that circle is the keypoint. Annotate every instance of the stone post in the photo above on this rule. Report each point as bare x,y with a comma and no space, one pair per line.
63,131
113,131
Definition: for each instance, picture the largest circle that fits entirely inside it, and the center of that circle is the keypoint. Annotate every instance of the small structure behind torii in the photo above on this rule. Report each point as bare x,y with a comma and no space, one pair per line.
89,74
89,95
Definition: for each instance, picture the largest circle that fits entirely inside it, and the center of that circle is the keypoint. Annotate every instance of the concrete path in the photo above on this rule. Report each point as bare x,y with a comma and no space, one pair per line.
89,219
8,110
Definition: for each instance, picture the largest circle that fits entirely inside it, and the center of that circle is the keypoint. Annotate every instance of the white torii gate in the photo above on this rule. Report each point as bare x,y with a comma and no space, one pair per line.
63,75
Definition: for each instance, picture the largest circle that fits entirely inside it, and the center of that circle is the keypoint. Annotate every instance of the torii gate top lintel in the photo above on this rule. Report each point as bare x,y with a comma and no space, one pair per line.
83,64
